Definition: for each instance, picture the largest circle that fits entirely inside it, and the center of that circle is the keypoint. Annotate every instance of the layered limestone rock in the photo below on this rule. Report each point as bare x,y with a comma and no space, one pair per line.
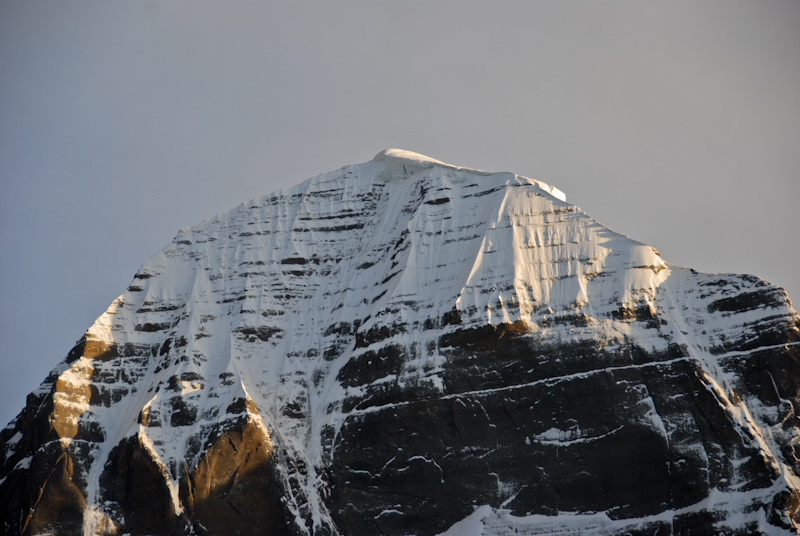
408,347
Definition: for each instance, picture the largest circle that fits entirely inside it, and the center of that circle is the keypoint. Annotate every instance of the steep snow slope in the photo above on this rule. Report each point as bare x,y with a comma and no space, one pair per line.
299,314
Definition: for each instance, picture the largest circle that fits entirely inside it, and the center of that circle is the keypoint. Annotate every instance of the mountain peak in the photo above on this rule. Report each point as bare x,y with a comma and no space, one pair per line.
410,158
402,162
385,347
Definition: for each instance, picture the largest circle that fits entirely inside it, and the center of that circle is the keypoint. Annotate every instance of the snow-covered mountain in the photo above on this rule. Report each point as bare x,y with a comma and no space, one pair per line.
408,347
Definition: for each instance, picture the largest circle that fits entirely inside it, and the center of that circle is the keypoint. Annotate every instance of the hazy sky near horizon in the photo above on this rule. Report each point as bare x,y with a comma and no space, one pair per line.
676,123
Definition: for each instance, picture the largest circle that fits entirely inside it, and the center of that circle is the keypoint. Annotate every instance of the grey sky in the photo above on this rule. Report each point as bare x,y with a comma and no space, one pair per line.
676,123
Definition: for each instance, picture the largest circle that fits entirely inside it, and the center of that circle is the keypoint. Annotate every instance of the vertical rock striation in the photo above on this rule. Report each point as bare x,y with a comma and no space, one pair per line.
407,347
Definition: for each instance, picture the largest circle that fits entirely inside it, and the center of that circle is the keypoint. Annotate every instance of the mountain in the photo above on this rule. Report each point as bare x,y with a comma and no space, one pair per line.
409,347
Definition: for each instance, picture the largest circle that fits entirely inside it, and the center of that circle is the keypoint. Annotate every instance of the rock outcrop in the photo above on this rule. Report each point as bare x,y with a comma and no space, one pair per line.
407,347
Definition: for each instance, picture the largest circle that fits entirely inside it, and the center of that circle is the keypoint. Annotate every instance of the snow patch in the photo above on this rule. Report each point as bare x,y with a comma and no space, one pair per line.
24,463
14,439
487,521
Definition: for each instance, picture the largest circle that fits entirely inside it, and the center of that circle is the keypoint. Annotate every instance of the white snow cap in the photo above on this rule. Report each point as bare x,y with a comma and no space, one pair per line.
408,158
396,159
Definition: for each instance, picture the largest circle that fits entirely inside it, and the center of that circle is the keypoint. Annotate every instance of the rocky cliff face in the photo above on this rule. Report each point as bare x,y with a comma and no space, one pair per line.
406,347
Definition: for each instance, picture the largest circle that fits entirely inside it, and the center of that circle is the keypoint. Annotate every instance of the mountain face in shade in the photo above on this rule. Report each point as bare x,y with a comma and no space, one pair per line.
408,347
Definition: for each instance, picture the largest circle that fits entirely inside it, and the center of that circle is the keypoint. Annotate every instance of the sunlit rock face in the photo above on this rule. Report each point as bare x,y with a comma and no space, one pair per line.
408,347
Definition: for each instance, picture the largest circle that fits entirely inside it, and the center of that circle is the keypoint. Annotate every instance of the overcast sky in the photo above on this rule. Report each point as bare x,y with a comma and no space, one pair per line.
676,123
